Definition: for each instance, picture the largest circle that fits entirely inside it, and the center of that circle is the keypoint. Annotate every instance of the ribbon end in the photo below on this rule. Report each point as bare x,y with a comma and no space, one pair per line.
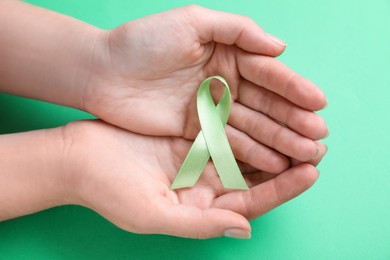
237,187
236,184
175,186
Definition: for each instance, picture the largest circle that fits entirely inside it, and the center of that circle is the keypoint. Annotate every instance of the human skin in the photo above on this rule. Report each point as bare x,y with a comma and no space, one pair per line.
143,76
126,178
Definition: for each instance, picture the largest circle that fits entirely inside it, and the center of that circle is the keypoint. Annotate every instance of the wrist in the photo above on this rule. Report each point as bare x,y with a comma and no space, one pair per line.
46,55
98,70
32,174
58,166
72,163
77,167
90,67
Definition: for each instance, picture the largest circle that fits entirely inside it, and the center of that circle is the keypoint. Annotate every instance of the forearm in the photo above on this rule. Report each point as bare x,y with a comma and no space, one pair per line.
46,55
32,172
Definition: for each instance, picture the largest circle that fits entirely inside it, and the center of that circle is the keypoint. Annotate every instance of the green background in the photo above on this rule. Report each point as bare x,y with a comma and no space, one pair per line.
344,47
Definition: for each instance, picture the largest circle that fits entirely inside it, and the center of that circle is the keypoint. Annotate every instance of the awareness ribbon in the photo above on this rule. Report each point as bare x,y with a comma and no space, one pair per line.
211,141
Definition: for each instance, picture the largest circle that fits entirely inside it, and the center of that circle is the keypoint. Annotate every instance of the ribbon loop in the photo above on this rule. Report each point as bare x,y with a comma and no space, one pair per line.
211,142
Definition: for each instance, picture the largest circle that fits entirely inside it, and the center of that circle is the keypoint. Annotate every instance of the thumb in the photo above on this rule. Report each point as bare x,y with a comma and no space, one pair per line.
193,222
230,29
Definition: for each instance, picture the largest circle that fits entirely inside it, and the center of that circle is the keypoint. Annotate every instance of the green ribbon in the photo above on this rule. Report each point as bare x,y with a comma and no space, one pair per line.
211,141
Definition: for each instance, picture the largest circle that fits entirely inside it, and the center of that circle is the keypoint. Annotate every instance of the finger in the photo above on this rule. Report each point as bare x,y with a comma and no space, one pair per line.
192,222
268,195
268,132
254,153
300,120
256,178
246,168
233,29
322,149
275,76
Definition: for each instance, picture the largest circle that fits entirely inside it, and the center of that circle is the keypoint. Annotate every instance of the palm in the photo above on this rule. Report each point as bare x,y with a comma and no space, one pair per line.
173,90
128,177
162,82
157,67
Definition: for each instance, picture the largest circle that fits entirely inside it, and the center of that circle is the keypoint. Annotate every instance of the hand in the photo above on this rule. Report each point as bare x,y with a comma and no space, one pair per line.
125,177
152,67
143,76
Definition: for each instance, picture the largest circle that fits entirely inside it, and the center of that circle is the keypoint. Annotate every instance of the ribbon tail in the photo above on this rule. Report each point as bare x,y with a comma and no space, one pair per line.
230,174
193,165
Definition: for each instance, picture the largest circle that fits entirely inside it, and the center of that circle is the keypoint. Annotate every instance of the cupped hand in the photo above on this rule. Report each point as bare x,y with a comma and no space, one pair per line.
152,68
126,178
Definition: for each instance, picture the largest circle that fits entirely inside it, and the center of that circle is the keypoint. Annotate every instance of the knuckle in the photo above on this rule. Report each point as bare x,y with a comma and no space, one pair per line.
308,150
277,164
247,202
193,8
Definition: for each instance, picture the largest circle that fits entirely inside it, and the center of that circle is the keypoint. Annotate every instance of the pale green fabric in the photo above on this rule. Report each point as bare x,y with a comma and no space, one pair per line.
211,141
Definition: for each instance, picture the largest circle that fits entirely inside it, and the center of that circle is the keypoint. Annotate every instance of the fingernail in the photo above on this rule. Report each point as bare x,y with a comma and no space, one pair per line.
237,233
318,175
316,154
327,134
326,105
277,40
